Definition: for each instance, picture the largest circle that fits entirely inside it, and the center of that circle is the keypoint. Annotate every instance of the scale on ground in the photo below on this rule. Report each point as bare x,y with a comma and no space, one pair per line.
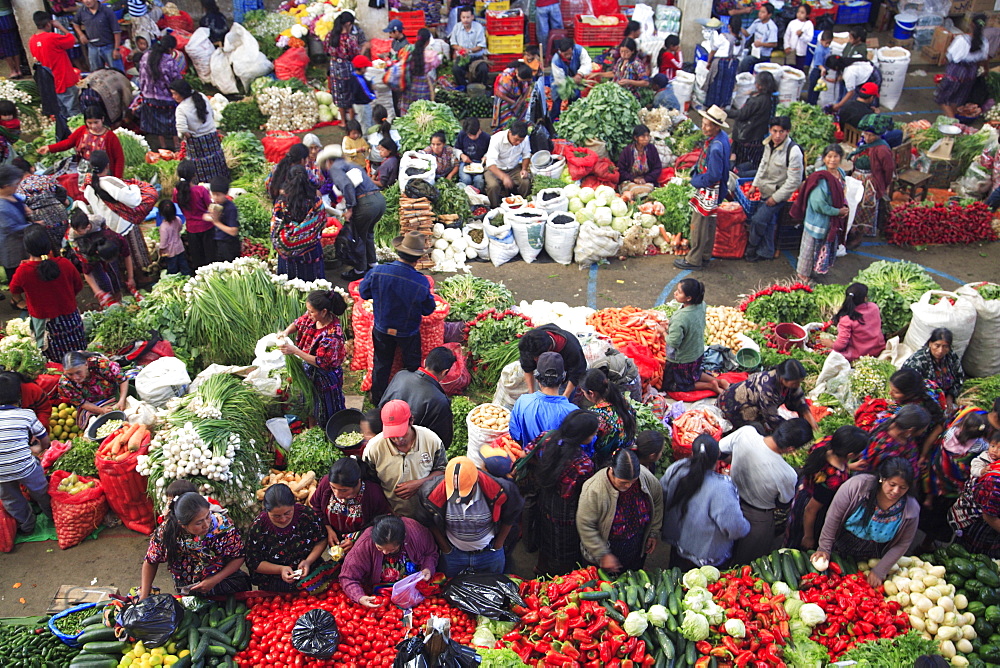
941,150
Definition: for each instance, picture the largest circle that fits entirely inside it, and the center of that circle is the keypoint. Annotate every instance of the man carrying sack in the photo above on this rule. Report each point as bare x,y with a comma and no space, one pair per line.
709,177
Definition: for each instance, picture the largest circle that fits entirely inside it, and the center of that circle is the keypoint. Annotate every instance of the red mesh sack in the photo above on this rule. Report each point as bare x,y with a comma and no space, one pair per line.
276,145
292,64
580,161
731,232
76,515
431,336
380,48
458,376
126,491
607,172
52,453
8,530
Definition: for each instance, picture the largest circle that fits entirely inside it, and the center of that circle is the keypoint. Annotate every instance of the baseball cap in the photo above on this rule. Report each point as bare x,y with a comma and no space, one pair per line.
460,476
395,418
550,364
658,81
394,24
361,61
869,88
496,461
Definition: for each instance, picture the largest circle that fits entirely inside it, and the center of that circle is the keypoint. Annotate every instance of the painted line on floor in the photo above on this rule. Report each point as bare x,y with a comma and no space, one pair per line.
592,287
665,294
951,278
874,243
792,260
920,88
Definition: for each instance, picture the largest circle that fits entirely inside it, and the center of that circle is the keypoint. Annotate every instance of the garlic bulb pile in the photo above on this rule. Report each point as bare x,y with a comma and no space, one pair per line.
287,109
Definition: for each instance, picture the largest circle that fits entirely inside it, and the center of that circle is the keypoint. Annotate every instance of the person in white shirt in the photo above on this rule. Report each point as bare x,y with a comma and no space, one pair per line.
964,56
467,38
763,34
765,482
507,164
856,73
798,36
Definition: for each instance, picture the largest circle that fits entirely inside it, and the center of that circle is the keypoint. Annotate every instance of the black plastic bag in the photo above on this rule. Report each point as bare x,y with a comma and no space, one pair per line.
152,620
417,188
411,655
350,247
485,594
316,634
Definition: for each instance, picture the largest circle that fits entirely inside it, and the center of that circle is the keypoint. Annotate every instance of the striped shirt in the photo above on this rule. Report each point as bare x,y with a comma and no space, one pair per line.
17,426
469,526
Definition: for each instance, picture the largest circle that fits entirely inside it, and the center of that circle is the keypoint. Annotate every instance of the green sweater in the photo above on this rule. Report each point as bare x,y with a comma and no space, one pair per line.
686,334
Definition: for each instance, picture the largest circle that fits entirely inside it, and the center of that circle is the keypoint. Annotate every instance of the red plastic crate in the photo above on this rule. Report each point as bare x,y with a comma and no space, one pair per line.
412,22
501,61
818,11
588,35
497,24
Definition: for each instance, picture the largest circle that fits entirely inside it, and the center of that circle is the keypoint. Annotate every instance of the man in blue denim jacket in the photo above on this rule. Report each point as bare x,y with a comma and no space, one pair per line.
400,296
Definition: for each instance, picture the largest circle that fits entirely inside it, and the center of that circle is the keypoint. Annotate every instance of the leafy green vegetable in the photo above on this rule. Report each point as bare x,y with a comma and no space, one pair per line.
805,653
608,113
796,306
493,330
834,421
894,286
163,311
460,408
870,378
21,354
902,650
465,106
387,227
470,295
422,120
685,137
675,198
134,147
813,128
242,115
255,215
244,154
828,299
144,172
499,658
983,391
311,451
79,459
540,183
452,199
492,363
118,329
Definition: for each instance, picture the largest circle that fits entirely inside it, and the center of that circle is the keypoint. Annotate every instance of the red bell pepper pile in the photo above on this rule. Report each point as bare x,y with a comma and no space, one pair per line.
855,611
563,629
917,224
368,637
750,600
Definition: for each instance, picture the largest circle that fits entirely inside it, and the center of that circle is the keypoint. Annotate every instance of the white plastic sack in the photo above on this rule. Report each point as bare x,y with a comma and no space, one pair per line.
560,238
267,357
200,49
222,73
893,61
510,386
745,87
790,89
248,62
266,384
834,378
896,352
554,168
529,232
412,159
982,357
478,437
596,243
139,412
161,380
853,190
483,247
279,429
683,85
503,246
830,95
555,201
959,317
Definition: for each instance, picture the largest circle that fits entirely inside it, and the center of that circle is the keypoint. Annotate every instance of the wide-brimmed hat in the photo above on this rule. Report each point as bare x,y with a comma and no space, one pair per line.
329,152
710,23
411,243
716,115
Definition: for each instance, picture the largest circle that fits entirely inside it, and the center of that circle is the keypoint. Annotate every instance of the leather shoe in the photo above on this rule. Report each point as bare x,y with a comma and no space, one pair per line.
758,258
352,275
684,264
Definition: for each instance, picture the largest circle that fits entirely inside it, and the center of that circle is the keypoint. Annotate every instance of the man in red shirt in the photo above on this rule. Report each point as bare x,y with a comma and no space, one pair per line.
49,46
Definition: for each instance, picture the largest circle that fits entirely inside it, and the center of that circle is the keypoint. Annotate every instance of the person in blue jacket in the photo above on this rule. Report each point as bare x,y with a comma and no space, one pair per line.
710,177
541,411
400,296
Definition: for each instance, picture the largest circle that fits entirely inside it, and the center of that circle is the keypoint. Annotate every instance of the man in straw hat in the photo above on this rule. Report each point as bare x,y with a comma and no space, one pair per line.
363,199
470,514
400,296
709,177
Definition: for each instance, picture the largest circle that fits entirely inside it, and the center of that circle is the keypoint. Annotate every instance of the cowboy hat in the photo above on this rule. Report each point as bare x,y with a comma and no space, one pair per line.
709,23
413,244
329,152
716,115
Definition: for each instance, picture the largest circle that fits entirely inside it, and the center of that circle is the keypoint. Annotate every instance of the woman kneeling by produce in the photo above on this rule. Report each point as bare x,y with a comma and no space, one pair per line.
899,436
284,541
348,499
686,343
756,400
388,551
872,516
202,549
91,382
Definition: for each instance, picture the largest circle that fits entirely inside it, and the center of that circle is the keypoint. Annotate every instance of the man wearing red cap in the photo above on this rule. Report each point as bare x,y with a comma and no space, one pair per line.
854,110
362,91
404,456
470,514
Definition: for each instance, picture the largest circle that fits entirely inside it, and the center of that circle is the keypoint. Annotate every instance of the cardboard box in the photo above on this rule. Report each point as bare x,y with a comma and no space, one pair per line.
69,596
902,43
985,6
938,48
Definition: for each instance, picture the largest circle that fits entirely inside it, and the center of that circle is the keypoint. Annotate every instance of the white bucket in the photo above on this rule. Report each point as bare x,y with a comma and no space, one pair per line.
683,85
790,88
893,61
773,68
745,87
554,169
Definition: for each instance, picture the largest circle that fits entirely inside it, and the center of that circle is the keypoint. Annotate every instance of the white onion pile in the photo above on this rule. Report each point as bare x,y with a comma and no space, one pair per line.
452,247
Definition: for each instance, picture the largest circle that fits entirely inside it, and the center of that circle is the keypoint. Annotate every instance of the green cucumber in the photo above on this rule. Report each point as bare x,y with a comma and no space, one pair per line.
800,560
650,596
791,575
691,654
584,596
96,634
105,647
665,644
198,654
96,618
215,634
674,602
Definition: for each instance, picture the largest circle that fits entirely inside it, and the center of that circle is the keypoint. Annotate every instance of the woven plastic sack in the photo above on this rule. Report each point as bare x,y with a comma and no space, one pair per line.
126,491
363,321
691,425
8,530
561,230
503,246
529,232
731,233
276,145
959,317
292,64
478,437
431,336
76,515
458,377
982,357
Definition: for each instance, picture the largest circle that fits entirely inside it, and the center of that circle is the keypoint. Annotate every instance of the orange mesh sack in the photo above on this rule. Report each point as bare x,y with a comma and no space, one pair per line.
126,491
76,515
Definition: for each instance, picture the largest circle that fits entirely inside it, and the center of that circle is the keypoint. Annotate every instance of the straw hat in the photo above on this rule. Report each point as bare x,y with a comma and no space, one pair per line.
170,9
716,115
329,152
411,243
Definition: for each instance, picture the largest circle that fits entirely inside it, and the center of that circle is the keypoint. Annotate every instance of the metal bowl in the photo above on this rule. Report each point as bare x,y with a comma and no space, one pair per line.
92,428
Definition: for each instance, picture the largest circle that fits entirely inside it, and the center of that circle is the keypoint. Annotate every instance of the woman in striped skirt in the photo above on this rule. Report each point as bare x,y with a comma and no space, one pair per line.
47,201
50,286
196,126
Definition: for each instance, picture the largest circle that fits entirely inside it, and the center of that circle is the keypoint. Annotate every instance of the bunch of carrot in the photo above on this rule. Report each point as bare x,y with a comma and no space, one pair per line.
118,445
632,325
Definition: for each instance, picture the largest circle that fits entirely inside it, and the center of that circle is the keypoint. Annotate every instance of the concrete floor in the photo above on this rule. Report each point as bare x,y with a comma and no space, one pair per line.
114,558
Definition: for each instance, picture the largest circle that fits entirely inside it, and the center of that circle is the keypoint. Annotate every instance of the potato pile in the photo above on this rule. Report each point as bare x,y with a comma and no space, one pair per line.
490,416
303,485
723,324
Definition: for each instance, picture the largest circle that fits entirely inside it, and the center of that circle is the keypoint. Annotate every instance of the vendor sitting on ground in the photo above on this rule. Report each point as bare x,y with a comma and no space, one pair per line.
92,383
755,401
508,164
639,162
391,549
285,541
